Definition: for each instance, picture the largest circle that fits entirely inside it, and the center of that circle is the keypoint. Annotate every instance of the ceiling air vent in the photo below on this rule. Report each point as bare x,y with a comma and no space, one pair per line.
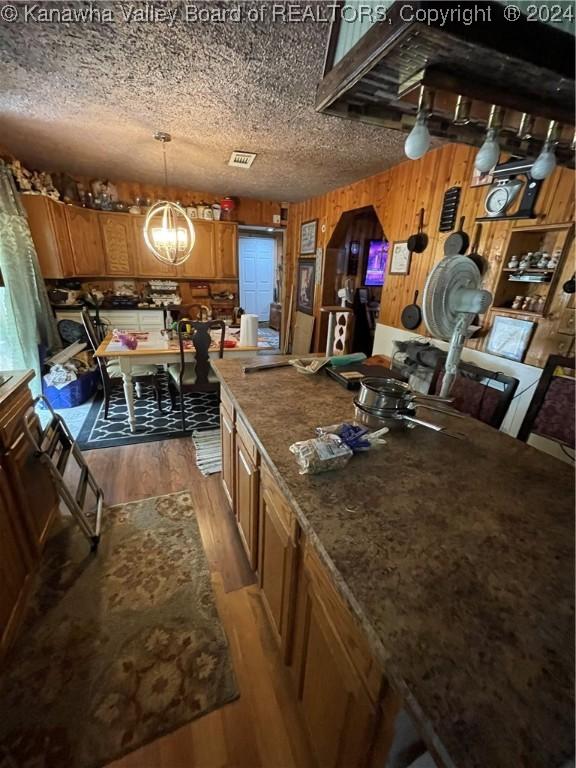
241,159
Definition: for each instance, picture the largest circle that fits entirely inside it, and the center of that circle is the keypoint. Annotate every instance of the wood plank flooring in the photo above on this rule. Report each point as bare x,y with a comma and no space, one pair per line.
263,728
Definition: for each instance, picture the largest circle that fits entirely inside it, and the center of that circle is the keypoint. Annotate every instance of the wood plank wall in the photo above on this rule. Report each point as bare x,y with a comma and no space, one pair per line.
397,196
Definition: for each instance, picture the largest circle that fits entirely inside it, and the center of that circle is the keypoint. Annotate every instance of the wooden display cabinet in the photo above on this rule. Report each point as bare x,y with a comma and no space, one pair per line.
86,240
119,241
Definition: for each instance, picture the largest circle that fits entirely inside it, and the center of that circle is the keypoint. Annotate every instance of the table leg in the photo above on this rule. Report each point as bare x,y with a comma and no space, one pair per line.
126,369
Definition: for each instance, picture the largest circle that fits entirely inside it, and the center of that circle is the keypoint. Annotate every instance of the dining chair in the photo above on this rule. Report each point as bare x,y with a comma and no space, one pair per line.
551,410
111,374
479,392
196,376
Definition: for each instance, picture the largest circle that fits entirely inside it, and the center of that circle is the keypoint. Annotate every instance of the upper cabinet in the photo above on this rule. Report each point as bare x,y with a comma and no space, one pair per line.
201,262
118,239
225,248
86,239
47,220
79,242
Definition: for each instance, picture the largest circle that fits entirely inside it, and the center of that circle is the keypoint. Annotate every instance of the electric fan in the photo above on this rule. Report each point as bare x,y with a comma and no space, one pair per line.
452,298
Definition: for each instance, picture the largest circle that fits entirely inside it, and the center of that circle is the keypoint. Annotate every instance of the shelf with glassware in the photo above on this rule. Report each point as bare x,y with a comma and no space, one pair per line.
533,260
80,242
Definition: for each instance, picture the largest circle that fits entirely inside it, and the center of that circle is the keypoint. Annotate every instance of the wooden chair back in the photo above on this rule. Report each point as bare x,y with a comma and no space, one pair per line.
202,340
94,343
551,410
483,394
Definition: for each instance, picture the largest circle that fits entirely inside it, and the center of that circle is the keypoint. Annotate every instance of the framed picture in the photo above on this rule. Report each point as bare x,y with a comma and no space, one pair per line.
400,261
305,286
308,231
509,337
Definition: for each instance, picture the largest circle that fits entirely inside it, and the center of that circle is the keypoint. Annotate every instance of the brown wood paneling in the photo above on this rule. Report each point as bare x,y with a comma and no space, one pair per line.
397,195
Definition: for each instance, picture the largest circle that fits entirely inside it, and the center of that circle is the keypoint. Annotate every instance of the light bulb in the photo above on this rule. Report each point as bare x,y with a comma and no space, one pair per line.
544,163
488,153
418,140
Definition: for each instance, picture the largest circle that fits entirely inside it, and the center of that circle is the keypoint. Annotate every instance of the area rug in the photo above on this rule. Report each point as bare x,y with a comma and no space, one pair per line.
97,432
208,451
118,648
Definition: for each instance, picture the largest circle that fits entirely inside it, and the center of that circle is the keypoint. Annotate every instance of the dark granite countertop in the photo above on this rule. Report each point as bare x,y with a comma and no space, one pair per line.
457,556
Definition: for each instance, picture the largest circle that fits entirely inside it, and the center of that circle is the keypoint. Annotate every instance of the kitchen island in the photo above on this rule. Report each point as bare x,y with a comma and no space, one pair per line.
454,557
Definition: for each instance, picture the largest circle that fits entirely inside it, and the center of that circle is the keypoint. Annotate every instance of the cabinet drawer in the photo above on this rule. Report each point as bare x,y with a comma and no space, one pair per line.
283,510
128,321
151,320
11,417
226,403
245,436
344,623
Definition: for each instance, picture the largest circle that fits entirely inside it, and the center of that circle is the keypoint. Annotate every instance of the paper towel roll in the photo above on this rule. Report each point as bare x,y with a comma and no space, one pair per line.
249,331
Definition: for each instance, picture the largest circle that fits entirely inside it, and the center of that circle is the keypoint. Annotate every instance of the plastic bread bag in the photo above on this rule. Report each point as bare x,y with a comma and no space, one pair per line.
321,454
356,436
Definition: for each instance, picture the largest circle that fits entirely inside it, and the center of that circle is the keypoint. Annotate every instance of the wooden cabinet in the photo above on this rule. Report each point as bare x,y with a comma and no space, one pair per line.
147,265
201,262
15,564
227,437
119,242
337,683
86,239
226,249
247,492
49,228
277,559
28,504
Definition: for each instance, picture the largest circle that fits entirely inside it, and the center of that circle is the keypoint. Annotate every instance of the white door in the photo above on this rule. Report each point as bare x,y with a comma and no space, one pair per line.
256,256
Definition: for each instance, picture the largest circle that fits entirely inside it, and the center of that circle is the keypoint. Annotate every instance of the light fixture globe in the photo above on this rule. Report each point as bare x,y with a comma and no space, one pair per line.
169,233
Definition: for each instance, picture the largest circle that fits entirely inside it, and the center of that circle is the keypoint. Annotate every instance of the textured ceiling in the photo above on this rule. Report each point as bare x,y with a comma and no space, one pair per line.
87,97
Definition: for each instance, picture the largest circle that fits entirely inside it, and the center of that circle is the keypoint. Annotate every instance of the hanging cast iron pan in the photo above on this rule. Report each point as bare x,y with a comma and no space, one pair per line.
418,242
479,260
570,285
457,242
411,315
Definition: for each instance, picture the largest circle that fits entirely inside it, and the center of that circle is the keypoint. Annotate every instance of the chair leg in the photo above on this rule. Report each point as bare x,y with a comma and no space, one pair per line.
158,394
106,401
182,411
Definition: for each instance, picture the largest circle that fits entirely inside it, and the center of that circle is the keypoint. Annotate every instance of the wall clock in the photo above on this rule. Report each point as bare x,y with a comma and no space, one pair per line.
501,195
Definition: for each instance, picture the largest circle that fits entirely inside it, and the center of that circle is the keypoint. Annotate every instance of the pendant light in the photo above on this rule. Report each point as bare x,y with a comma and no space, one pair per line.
489,152
546,161
418,140
168,230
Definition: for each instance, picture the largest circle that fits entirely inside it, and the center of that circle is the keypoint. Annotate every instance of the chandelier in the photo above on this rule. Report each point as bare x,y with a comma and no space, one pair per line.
168,230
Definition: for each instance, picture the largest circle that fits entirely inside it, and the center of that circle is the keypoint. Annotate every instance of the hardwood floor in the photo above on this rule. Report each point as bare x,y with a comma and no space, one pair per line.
263,728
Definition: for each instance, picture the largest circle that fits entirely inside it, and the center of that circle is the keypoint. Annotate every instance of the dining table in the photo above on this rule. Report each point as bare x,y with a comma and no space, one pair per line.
162,348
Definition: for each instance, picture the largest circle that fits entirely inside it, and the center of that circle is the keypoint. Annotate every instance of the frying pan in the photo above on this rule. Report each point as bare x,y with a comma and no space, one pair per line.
478,259
458,242
570,285
411,315
418,242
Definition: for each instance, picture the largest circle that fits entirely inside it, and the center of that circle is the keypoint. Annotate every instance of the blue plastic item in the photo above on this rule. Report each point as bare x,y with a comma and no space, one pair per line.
75,393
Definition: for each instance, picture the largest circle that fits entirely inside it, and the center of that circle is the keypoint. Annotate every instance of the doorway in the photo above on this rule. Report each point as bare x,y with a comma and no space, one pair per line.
257,266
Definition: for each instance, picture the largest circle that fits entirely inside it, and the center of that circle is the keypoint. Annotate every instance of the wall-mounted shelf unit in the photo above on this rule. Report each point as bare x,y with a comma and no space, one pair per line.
531,283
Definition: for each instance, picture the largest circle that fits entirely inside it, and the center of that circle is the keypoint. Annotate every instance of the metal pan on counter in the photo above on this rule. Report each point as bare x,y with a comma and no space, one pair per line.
380,394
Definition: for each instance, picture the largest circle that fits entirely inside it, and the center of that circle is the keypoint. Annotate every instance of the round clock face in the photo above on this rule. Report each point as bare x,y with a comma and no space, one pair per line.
496,201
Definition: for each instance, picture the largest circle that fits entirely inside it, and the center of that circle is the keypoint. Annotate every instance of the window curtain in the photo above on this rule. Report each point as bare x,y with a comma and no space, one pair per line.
26,321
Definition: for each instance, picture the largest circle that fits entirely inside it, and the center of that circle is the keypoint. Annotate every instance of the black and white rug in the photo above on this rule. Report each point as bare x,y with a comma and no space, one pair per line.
201,408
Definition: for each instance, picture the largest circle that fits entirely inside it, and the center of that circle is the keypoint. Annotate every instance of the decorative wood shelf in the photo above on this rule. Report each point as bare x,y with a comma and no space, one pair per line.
511,311
534,271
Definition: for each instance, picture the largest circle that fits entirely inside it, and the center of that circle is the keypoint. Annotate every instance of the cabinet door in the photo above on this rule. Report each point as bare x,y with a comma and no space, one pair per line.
34,488
147,265
47,221
15,563
226,248
201,262
87,249
247,501
339,714
276,567
227,434
119,244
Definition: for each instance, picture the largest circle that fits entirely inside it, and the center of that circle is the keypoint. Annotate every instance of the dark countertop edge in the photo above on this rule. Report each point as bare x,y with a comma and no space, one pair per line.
76,307
376,646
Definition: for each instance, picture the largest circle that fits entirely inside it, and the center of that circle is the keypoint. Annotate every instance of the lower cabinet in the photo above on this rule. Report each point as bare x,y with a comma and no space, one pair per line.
277,560
247,500
227,437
